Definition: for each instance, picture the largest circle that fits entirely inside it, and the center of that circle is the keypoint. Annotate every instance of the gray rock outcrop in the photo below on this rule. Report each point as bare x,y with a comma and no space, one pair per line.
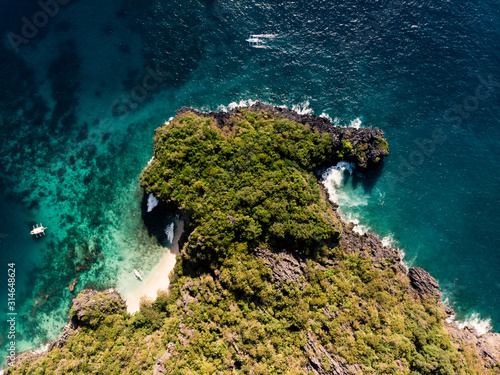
423,283
487,346
370,244
160,366
90,305
85,305
319,356
284,265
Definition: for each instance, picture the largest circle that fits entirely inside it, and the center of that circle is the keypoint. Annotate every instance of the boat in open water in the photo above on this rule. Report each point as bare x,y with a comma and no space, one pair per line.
256,41
38,230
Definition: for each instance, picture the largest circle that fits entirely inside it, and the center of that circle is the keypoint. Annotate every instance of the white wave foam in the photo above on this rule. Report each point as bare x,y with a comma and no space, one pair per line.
361,229
335,121
358,228
332,178
450,319
474,320
302,108
388,241
327,116
152,202
42,349
150,160
352,203
234,105
169,231
446,302
356,123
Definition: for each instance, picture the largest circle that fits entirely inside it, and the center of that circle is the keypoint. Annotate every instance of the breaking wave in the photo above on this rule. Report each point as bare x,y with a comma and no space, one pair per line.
474,320
169,231
152,202
333,178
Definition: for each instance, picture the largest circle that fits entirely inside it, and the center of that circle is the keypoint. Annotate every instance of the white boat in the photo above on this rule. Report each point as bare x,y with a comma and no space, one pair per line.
255,41
38,230
137,274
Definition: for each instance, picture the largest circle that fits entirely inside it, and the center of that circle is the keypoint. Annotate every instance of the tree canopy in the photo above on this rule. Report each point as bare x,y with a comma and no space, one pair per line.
247,184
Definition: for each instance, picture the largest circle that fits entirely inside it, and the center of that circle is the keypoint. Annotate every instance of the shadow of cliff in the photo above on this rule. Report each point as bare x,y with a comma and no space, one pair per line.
159,220
368,179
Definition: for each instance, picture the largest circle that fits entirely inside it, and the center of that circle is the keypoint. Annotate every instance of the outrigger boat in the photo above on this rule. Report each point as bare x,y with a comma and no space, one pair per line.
38,230
137,274
255,41
259,40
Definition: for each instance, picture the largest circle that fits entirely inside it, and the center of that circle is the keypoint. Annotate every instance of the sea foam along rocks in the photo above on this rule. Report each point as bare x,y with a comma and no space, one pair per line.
487,346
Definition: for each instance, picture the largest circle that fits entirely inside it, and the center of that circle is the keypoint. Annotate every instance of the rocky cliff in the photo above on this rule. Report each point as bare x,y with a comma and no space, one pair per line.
88,308
290,267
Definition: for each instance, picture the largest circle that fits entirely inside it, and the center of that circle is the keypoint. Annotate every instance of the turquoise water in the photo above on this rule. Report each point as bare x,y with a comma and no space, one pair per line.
78,112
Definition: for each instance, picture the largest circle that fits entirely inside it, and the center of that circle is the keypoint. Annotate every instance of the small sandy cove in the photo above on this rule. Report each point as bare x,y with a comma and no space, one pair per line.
158,277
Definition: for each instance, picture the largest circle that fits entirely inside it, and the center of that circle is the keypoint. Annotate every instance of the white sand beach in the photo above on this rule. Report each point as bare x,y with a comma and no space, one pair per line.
158,277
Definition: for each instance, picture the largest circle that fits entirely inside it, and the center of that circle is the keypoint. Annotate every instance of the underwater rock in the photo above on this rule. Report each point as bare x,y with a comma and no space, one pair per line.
73,283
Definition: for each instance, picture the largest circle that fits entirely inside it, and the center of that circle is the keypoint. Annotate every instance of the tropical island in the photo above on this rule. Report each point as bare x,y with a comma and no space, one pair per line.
269,279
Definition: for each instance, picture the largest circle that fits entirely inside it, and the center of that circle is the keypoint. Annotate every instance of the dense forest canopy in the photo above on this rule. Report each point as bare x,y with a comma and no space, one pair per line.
246,185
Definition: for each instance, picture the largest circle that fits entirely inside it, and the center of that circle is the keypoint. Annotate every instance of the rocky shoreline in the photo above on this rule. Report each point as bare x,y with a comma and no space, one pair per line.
287,266
364,147
87,308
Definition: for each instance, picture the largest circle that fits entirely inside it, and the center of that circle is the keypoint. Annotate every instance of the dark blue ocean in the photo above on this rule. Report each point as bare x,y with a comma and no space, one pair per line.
83,85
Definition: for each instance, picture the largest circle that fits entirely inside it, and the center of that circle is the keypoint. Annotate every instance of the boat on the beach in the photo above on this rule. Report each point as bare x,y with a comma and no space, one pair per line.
38,230
137,273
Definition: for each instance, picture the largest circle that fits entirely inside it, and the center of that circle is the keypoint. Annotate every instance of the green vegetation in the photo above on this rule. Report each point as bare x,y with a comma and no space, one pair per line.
345,148
361,151
382,145
247,185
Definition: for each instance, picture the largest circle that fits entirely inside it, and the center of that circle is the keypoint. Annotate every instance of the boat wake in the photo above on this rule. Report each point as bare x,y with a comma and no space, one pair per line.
260,40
